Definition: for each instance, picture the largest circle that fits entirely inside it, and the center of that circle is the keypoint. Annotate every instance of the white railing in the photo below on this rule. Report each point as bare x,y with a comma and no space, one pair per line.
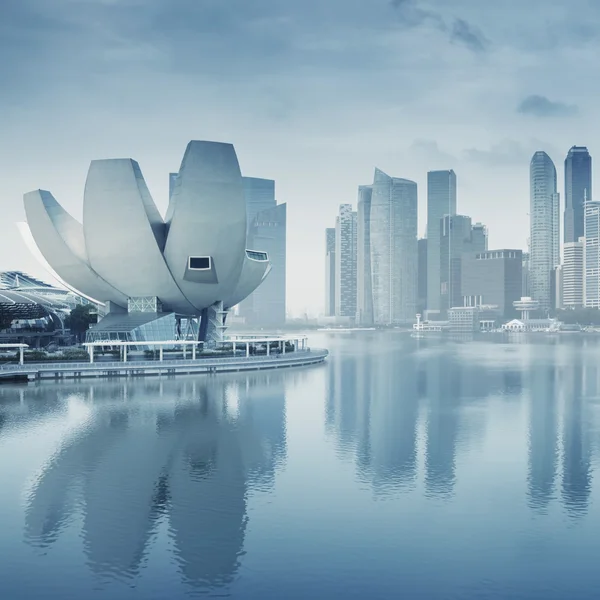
165,364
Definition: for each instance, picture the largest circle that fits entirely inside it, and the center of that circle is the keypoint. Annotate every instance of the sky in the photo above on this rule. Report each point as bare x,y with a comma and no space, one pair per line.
313,93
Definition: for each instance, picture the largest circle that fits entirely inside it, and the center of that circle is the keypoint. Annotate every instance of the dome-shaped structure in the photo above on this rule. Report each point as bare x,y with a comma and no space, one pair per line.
126,256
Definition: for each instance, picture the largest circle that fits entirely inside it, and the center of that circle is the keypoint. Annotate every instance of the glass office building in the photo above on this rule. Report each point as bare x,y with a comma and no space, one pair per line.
394,251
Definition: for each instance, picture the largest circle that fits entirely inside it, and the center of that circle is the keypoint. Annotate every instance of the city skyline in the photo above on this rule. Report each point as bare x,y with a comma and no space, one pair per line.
472,103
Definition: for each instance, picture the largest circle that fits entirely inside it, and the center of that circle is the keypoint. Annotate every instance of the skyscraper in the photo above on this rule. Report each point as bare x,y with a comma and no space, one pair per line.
572,274
578,186
422,276
260,195
345,262
364,293
592,255
544,253
479,237
525,286
172,180
330,272
441,201
457,238
266,229
394,253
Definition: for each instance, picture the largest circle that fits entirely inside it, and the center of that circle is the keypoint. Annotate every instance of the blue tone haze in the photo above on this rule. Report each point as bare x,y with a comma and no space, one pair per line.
401,468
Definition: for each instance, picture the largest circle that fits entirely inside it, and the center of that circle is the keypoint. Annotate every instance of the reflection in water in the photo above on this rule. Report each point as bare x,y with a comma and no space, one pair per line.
173,488
443,395
376,402
182,452
576,479
543,434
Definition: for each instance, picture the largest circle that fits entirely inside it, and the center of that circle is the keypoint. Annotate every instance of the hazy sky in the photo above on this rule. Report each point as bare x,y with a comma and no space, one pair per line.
313,93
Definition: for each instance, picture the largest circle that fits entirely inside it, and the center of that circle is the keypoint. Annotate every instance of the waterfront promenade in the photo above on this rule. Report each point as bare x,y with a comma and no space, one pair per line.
137,368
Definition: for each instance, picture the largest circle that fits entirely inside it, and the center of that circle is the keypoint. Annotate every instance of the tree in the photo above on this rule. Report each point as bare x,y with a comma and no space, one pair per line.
5,319
80,319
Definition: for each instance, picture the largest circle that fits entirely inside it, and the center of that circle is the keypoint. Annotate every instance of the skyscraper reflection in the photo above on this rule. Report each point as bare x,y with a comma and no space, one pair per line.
576,477
372,409
443,391
543,434
394,416
186,452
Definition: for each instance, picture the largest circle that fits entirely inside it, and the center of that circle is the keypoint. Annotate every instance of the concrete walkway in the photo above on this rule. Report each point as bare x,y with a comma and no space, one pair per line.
67,370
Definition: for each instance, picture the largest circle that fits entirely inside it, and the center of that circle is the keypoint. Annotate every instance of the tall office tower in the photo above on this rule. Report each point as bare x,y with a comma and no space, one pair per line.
479,237
172,180
260,195
544,253
493,277
441,201
394,251
572,274
525,286
330,272
457,238
422,275
364,295
345,262
556,287
591,255
578,187
266,230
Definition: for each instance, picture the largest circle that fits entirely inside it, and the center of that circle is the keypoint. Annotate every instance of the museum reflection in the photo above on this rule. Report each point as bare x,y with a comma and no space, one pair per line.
178,456
403,417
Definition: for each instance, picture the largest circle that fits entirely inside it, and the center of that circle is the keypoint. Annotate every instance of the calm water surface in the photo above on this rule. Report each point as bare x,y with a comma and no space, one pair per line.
402,468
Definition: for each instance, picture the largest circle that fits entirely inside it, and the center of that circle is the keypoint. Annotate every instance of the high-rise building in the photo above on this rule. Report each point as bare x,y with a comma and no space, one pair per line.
441,201
578,187
525,286
172,180
330,272
556,287
479,237
345,262
266,229
364,313
422,276
456,239
544,253
573,274
260,195
492,278
394,253
592,254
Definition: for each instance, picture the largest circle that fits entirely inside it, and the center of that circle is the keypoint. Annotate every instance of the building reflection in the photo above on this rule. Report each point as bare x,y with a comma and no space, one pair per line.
443,384
576,477
185,453
542,433
372,409
394,416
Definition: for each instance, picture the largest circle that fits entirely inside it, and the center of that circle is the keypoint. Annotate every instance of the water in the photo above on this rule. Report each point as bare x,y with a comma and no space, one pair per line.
401,468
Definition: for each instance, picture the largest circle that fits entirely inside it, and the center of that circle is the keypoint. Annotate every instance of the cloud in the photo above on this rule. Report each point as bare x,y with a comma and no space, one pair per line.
541,106
430,153
462,32
507,153
468,35
413,15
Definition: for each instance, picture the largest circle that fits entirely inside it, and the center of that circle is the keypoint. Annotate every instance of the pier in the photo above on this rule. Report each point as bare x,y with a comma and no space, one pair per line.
256,354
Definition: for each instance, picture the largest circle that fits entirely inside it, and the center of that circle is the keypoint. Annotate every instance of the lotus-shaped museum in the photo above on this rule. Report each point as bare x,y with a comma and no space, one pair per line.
196,262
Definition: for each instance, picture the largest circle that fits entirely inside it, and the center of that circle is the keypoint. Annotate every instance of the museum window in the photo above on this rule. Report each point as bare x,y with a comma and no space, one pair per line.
199,263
